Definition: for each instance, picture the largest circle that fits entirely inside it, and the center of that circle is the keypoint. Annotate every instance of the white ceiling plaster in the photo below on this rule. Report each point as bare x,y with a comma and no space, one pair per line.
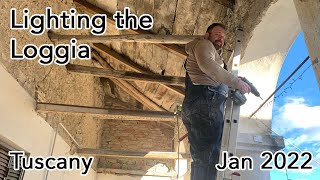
275,33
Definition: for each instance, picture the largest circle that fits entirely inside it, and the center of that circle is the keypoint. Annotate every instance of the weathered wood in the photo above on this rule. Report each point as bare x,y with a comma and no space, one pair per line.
129,88
132,154
126,75
107,113
142,38
91,9
4,157
227,3
120,58
117,103
130,64
136,172
3,167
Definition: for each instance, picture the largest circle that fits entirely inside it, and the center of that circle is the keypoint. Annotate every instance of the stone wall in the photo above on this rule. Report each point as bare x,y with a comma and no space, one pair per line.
308,12
51,84
135,136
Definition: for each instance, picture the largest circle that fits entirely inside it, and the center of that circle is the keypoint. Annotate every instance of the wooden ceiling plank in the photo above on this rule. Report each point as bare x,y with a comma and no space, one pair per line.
129,88
125,75
91,9
142,38
130,64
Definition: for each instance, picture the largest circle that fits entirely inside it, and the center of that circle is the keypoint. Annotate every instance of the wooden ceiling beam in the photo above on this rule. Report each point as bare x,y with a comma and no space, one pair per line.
130,64
125,75
129,88
142,38
136,172
132,154
91,9
107,113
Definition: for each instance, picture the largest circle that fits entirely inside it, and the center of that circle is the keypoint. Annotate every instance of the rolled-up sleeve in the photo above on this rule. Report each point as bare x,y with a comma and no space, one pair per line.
205,55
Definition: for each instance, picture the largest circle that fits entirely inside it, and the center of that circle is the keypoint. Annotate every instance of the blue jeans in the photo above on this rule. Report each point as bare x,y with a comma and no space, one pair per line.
203,117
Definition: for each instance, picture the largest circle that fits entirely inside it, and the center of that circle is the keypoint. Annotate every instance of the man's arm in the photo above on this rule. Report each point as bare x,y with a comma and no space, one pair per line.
205,55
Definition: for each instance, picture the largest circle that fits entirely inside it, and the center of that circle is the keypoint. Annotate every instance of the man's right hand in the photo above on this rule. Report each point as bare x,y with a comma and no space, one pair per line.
243,87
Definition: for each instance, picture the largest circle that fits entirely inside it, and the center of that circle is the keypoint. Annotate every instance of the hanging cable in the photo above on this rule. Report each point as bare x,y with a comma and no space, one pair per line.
281,94
304,61
287,173
177,113
290,87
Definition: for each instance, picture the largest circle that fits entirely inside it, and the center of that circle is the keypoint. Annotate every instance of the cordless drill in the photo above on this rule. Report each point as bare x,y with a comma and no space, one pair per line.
239,98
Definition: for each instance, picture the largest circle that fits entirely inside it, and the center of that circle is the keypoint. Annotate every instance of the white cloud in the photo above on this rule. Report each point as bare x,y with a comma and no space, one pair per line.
308,137
298,140
296,113
297,116
300,171
303,171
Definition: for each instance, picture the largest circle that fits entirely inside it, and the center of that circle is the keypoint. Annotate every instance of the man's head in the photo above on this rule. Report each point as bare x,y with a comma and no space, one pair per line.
216,34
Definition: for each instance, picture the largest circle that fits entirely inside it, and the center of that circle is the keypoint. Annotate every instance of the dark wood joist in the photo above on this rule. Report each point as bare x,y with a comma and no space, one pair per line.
91,9
107,113
131,65
142,38
129,88
125,75
132,154
135,172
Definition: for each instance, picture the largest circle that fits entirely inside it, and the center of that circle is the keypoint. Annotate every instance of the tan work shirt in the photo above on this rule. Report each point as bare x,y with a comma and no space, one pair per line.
205,66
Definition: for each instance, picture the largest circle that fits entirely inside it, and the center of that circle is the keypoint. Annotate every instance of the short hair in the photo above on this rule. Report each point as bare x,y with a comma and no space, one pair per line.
209,29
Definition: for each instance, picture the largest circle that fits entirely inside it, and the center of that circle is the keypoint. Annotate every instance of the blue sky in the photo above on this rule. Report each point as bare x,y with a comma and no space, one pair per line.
296,115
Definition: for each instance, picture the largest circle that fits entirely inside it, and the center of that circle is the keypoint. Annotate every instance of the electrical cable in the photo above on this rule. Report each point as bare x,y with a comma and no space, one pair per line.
178,132
289,87
300,65
281,94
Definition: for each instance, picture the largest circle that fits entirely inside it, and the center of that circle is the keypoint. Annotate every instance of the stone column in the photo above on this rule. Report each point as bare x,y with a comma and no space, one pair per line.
309,16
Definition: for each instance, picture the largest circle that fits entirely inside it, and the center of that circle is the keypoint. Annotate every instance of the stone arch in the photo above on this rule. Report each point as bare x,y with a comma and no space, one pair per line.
263,58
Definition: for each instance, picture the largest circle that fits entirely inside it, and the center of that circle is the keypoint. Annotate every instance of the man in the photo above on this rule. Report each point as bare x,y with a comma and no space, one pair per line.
203,107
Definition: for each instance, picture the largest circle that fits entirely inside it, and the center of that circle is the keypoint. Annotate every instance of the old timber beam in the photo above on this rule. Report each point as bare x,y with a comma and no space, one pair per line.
136,172
91,9
132,154
125,75
129,88
142,38
130,64
107,113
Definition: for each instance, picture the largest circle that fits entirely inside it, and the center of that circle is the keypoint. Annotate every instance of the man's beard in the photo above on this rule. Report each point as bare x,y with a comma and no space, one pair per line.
217,46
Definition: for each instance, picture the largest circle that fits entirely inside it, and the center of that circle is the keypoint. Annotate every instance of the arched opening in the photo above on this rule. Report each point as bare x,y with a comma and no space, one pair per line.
296,111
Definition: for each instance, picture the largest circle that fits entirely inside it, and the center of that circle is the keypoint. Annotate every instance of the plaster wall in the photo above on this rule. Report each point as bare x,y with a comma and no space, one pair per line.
22,128
51,84
263,59
256,173
308,12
